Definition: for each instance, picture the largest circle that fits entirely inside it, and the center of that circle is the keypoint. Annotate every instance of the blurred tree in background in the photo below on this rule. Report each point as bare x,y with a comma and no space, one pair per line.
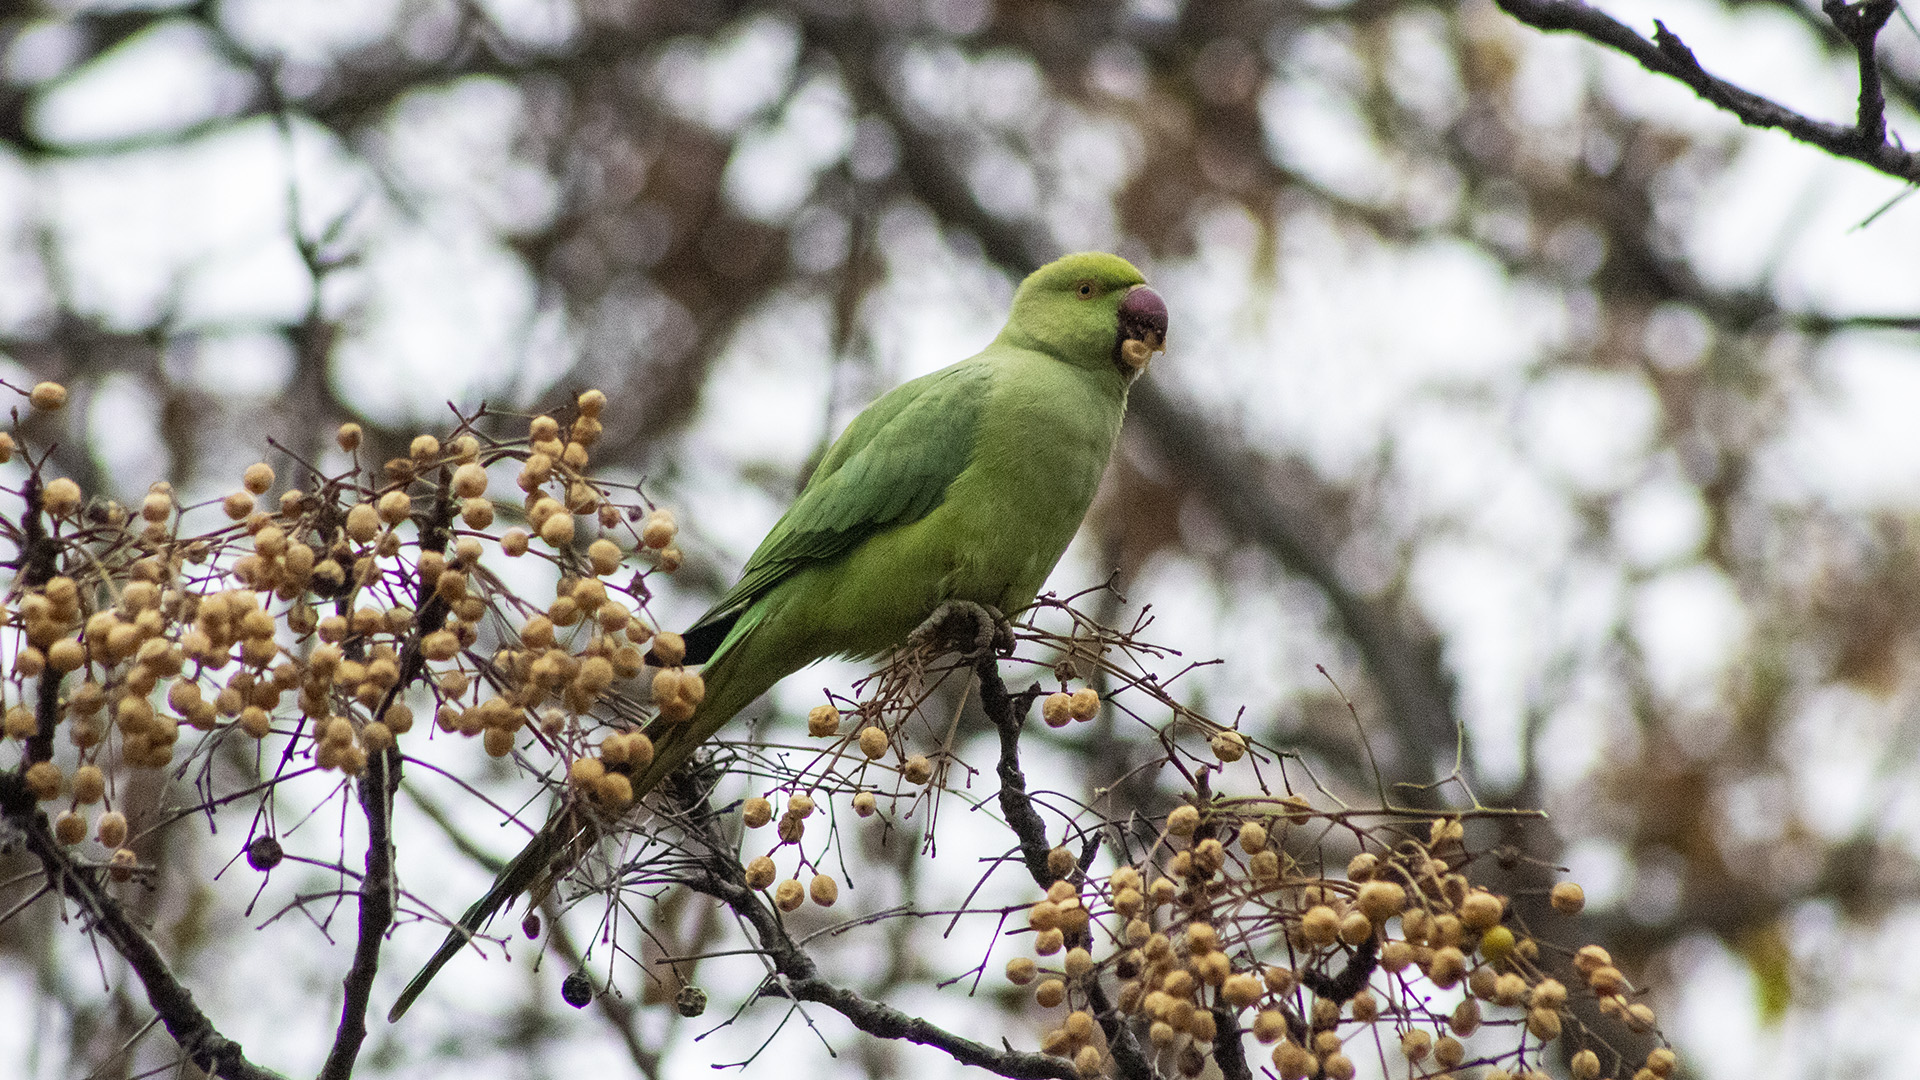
1562,419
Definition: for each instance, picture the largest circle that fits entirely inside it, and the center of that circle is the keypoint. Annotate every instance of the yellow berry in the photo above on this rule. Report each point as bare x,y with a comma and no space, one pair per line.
605,556
1568,898
823,720
1497,944
1585,1065
824,890
755,812
1057,710
1381,900
1050,993
394,507
61,497
1481,910
1183,821
789,895
1085,704
1320,925
48,396
658,530
1228,746
1020,971
111,829
43,779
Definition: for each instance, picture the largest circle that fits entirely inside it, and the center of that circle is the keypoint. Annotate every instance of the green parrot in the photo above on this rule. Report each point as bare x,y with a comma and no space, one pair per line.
963,485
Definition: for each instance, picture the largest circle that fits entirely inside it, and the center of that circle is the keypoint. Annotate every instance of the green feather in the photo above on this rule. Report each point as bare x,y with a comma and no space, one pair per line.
966,484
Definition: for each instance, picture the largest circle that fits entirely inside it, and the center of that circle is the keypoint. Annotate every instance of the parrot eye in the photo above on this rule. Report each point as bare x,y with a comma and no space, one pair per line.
1085,289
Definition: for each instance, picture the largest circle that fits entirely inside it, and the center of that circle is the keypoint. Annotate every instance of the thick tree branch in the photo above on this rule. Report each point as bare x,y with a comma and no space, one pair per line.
1864,141
195,1034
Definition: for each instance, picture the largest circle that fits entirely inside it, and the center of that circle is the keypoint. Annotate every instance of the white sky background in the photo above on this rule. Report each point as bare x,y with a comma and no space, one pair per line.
1337,348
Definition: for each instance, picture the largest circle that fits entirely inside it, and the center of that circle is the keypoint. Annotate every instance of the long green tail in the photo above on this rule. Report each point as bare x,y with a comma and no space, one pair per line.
733,681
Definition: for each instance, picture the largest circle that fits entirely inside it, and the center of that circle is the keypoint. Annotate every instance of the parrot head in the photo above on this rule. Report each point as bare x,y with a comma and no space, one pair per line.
1091,310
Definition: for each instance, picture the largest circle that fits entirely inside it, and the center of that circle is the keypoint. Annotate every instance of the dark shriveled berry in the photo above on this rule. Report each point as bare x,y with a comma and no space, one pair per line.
577,990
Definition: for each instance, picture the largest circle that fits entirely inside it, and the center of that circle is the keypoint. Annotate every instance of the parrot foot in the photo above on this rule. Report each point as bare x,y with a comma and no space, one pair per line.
974,629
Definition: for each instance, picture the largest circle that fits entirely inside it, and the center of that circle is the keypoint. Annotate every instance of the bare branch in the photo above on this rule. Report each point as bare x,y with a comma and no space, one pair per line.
1864,141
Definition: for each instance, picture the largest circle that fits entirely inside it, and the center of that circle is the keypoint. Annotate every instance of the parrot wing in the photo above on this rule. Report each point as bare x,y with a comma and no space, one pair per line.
892,466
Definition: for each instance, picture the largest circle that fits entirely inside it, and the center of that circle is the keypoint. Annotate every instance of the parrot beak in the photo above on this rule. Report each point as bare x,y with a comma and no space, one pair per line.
1143,329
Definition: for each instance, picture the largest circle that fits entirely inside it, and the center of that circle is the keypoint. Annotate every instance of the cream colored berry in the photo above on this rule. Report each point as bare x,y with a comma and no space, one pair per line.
917,770
69,828
865,805
48,396
1568,898
1294,1062
823,721
1228,746
1448,967
756,812
1481,910
760,872
873,742
670,647
394,507
1320,925
111,829
1078,962
1253,838
658,530
605,555
789,895
1585,1065
61,497
1183,821
1416,1044
1057,710
44,779
1381,900
1049,993
1085,704
470,480
348,437
1021,970
824,890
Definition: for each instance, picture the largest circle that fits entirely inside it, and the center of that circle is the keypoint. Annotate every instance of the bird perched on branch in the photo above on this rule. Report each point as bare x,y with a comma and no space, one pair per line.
963,485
